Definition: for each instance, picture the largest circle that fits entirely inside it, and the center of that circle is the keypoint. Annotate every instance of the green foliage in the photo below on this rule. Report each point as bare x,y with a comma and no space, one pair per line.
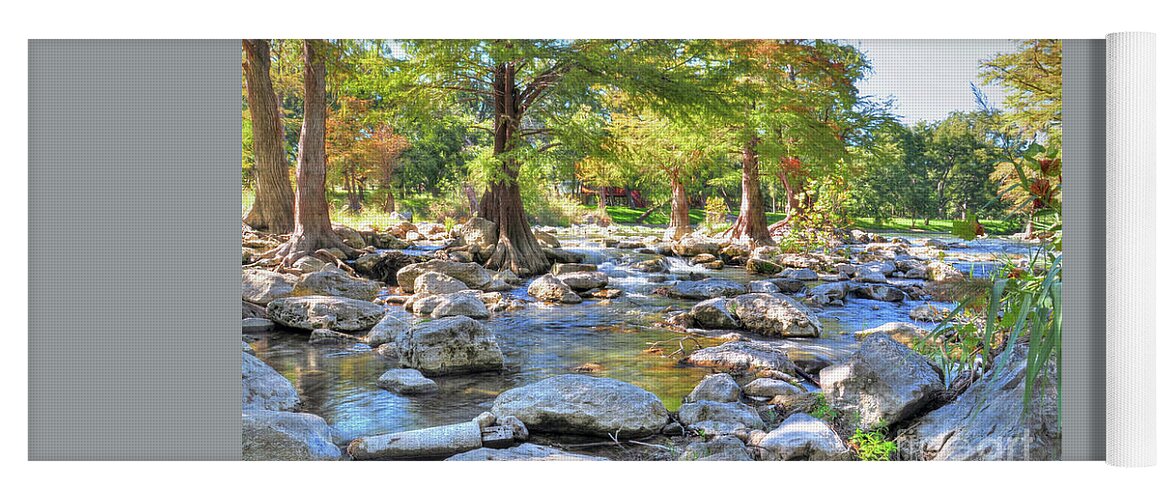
822,409
872,445
715,212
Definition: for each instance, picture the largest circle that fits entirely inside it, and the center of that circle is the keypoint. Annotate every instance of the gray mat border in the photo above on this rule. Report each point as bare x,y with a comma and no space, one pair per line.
134,184
1084,250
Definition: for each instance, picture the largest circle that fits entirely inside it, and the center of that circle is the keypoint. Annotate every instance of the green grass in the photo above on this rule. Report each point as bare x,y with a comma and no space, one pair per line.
371,215
936,226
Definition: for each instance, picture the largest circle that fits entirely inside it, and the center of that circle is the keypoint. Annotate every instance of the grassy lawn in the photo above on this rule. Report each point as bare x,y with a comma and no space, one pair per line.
937,226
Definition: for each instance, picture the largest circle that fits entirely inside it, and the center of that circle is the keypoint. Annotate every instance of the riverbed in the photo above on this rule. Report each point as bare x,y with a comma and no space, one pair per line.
338,382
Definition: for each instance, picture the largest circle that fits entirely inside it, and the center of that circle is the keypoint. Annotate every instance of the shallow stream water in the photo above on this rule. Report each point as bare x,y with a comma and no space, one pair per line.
339,383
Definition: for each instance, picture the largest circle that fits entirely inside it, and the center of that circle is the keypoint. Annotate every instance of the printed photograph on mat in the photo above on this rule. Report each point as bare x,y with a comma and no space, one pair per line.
651,249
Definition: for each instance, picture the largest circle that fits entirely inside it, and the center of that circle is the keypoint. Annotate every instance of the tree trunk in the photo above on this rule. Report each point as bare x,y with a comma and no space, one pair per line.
516,249
793,210
312,230
680,225
751,224
273,209
388,205
353,193
473,203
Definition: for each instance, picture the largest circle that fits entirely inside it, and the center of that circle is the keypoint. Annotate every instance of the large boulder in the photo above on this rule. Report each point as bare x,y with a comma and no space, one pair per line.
334,313
585,405
883,383
334,282
478,232
719,387
473,275
549,288
693,244
546,239
526,452
802,437
261,287
706,289
584,280
714,418
281,435
457,344
349,236
742,357
775,315
460,304
264,388
714,314
989,421
387,330
433,283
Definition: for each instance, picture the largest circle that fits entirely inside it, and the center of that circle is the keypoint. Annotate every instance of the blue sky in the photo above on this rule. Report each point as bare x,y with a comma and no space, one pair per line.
929,79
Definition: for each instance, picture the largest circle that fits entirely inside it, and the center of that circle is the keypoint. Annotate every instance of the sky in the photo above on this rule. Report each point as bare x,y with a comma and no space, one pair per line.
929,79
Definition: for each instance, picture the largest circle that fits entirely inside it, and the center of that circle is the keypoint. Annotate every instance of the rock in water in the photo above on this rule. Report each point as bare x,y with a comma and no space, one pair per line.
479,232
560,268
388,329
771,388
460,305
551,289
988,421
761,266
880,292
581,404
719,387
904,333
406,381
743,356
452,345
255,325
264,388
714,314
712,418
799,274
433,283
943,272
775,315
584,280
524,452
722,448
706,289
315,311
472,274
429,443
884,382
261,287
929,313
280,435
803,437
334,282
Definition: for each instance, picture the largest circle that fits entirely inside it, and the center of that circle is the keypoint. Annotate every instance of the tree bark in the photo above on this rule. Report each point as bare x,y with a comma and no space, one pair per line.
312,230
793,210
751,224
680,225
273,209
516,249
